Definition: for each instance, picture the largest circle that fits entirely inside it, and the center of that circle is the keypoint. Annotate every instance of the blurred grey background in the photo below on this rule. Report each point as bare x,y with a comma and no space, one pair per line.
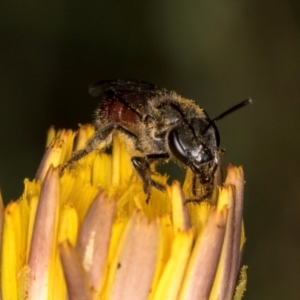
216,52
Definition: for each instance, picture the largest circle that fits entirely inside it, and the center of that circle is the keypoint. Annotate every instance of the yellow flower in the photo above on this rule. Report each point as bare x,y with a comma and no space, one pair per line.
89,234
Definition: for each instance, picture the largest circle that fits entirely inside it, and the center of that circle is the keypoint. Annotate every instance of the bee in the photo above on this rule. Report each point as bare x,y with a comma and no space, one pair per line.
159,125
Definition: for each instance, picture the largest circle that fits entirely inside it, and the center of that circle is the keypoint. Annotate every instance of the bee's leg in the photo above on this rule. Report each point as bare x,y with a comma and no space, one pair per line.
201,189
142,167
100,136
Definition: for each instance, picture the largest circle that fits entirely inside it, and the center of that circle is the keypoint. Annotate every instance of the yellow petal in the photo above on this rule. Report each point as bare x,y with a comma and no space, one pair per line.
172,276
181,220
52,157
116,162
84,134
68,225
10,264
165,247
199,213
1,223
31,189
66,138
101,172
67,230
77,191
51,134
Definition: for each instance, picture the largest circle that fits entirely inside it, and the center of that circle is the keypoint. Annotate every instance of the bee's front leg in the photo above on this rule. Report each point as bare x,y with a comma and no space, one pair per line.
142,166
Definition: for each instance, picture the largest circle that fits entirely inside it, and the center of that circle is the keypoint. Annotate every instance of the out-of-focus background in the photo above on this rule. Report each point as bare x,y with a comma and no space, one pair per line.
216,52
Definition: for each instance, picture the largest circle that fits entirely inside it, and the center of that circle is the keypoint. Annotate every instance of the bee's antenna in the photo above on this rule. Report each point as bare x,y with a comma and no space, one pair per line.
232,109
227,112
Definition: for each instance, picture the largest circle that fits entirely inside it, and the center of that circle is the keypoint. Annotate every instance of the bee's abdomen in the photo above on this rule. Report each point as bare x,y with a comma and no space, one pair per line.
113,110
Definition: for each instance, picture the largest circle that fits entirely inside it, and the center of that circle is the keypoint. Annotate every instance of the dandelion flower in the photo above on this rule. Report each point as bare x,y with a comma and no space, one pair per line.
89,234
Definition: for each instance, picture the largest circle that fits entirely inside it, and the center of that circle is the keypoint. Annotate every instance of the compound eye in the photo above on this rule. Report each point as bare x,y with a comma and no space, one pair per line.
176,147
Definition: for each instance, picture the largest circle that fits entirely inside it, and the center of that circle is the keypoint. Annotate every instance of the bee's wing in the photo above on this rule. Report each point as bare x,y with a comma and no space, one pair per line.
134,94
122,86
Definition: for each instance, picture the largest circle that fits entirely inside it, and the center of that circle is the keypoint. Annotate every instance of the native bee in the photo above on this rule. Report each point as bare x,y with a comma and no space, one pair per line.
159,125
